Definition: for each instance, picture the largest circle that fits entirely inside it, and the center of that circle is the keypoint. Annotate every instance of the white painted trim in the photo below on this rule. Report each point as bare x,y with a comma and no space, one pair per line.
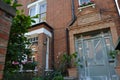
116,1
47,55
91,5
36,2
39,31
79,2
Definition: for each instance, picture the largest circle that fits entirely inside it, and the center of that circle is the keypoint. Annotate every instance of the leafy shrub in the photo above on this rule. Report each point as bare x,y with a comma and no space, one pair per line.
29,65
38,78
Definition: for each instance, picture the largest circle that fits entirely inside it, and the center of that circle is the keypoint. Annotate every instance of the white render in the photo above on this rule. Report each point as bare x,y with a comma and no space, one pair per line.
47,55
39,31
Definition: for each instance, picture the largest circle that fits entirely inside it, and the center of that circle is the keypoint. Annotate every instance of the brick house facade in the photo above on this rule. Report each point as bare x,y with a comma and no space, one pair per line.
6,14
90,28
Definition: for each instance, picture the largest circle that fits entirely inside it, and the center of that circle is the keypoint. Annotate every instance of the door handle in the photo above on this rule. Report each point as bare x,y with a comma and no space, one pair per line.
86,63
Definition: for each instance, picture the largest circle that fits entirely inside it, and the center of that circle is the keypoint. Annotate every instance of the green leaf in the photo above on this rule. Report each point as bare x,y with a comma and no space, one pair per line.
17,50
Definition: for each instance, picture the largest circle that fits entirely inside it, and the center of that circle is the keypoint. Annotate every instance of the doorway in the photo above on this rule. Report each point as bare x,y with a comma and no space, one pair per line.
93,52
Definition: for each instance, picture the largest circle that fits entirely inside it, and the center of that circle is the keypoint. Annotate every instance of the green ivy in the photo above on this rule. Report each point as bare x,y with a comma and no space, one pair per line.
29,65
17,50
114,53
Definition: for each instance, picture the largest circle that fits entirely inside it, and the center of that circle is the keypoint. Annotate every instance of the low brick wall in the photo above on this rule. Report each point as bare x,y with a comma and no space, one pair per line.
6,14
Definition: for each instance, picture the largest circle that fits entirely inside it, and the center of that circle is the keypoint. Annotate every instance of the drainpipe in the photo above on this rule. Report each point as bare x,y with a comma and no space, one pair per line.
52,48
73,13
70,23
67,41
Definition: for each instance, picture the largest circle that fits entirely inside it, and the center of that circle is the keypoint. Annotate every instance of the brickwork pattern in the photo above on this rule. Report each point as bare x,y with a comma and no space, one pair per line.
5,24
59,15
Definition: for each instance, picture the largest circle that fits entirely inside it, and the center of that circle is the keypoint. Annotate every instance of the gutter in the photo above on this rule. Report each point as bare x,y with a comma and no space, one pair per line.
71,22
73,13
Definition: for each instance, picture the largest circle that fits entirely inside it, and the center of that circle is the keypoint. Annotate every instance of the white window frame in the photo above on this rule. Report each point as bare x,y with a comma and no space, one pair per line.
116,1
33,39
41,13
30,10
47,55
37,8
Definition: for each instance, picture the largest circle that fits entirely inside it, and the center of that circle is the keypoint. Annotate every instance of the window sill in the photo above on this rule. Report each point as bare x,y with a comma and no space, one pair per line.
91,5
29,70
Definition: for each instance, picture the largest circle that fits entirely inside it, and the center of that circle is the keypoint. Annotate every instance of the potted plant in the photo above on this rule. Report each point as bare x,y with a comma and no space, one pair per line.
116,55
71,61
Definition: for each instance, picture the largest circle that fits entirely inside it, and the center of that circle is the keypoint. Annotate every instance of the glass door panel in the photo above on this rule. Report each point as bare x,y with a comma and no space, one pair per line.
95,59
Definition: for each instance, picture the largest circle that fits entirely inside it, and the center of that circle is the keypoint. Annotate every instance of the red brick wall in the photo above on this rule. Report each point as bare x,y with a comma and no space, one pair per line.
24,5
59,16
41,53
5,25
41,58
107,6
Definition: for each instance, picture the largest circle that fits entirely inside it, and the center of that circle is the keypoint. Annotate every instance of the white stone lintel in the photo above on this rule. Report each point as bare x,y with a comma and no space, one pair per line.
39,31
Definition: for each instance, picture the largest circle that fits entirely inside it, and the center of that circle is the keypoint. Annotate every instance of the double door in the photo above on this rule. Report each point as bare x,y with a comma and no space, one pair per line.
95,62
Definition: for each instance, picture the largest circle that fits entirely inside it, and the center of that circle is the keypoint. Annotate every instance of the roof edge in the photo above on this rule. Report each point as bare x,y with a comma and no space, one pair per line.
41,24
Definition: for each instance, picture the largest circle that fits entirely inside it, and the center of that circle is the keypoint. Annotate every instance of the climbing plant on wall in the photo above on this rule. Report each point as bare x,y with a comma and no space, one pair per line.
17,45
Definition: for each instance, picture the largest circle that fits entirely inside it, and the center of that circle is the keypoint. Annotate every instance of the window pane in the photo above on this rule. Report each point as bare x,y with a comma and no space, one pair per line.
99,56
89,52
32,11
43,17
84,1
42,8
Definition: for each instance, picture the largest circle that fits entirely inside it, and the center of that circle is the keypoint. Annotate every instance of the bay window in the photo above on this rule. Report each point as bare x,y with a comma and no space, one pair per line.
38,8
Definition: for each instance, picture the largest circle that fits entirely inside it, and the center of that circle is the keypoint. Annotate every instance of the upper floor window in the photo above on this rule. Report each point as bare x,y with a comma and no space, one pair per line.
85,2
38,8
